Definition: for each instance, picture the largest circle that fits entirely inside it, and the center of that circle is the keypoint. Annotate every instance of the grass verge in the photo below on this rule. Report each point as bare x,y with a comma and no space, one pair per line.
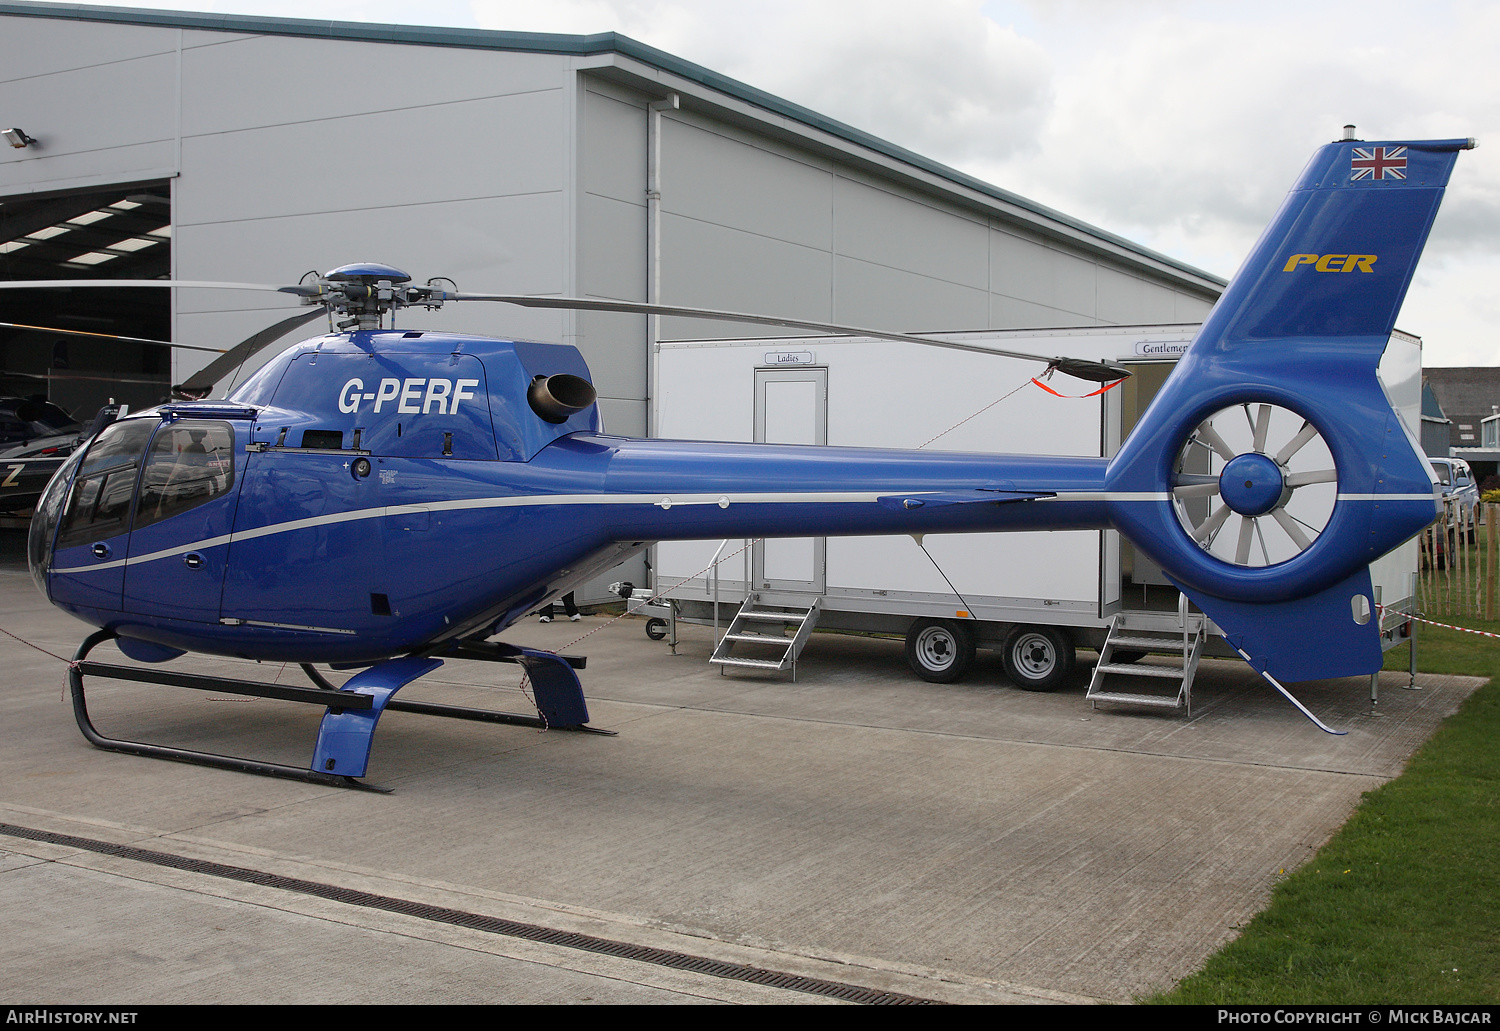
1403,904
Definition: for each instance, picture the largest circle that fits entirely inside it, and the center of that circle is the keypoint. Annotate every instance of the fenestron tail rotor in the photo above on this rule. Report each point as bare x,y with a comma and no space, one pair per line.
1254,485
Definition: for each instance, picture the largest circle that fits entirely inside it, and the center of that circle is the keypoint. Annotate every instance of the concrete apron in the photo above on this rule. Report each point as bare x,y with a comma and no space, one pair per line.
965,843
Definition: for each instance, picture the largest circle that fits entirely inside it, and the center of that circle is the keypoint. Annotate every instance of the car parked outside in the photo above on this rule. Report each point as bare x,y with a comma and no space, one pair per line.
1457,480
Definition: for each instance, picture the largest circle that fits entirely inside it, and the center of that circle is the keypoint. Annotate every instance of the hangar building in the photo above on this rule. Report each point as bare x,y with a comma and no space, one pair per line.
212,147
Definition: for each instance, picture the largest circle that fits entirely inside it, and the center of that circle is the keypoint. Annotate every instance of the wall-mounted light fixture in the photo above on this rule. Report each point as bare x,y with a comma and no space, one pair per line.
17,138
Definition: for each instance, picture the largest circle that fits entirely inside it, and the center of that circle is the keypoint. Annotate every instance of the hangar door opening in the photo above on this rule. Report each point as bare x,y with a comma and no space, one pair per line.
791,407
119,232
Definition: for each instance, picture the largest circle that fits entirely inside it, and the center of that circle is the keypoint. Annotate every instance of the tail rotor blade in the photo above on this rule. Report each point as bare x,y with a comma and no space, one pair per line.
1293,531
1317,476
1197,490
1212,524
1247,536
1262,426
1210,436
1308,432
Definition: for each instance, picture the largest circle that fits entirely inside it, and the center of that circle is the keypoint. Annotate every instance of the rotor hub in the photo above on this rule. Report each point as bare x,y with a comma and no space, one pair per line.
369,273
1251,484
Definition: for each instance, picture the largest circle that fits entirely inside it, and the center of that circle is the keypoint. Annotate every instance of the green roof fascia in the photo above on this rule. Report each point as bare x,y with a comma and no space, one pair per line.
575,45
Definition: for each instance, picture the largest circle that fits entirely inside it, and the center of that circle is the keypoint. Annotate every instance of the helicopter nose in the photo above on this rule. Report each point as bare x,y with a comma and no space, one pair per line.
43,529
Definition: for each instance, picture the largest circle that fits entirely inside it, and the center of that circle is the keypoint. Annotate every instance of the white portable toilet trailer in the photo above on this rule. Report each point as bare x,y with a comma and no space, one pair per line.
1039,596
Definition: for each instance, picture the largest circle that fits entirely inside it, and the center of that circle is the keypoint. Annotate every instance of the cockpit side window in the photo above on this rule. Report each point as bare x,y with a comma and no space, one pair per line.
191,462
99,506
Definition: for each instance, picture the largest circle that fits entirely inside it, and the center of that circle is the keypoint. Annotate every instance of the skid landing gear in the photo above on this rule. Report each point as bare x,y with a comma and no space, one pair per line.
342,751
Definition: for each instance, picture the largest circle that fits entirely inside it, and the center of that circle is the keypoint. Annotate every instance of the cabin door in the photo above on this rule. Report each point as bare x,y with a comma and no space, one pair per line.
88,565
184,510
791,407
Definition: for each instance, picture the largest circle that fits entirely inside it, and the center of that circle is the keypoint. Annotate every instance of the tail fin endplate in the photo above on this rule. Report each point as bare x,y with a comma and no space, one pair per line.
1303,326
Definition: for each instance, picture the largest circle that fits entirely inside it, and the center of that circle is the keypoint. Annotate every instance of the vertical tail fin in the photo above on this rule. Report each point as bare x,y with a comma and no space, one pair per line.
1285,368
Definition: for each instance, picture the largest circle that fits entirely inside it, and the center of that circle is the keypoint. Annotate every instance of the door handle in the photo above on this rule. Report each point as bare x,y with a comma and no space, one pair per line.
192,560
101,551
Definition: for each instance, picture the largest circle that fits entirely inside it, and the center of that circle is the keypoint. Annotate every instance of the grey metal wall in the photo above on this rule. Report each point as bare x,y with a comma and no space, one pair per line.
753,224
305,154
290,154
612,246
749,222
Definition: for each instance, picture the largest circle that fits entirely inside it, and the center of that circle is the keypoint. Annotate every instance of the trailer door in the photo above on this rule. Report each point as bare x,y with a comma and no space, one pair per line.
791,407
1137,570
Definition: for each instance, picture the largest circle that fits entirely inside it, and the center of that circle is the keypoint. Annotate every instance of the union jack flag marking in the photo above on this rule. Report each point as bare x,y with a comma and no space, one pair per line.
1378,163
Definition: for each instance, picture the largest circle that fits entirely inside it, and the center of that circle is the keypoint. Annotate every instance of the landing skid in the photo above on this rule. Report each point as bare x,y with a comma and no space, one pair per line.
342,751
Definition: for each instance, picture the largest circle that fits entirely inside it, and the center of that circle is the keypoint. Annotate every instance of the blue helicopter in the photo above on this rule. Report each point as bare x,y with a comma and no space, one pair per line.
437,487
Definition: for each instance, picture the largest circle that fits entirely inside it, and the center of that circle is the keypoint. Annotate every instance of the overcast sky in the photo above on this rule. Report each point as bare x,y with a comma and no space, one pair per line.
1177,123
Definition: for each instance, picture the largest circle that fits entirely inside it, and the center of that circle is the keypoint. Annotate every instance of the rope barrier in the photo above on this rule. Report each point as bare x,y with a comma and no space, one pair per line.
1380,613
1450,626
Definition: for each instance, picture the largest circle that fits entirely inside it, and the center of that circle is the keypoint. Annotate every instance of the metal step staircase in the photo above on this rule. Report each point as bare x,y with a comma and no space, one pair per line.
1162,684
757,639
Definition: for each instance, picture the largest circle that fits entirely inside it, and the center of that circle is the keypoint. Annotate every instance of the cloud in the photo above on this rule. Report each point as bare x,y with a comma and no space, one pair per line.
941,78
1192,128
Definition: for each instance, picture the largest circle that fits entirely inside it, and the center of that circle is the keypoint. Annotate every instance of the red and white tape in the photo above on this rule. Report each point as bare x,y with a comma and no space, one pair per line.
1449,626
1445,626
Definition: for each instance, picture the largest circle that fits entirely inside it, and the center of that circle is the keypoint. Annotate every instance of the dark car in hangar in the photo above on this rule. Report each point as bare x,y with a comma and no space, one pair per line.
23,420
36,437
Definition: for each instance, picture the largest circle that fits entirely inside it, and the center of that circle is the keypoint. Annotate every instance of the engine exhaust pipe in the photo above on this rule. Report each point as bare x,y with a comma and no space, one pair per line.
559,398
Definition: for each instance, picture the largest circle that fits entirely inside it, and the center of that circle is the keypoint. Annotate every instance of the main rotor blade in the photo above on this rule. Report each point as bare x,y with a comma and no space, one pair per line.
1099,372
204,379
110,336
53,284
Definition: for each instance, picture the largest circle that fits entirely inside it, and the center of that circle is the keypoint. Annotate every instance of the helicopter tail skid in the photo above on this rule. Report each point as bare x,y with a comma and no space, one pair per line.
1271,468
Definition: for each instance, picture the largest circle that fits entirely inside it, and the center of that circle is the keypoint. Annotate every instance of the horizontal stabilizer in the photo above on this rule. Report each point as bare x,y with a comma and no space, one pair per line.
982,495
1312,638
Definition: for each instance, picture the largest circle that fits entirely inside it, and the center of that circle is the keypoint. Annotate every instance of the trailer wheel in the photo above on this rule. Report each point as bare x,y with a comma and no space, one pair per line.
1125,658
939,651
1038,658
656,629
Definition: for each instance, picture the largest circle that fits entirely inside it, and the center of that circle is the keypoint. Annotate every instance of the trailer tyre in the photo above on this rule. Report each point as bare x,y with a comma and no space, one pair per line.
656,629
1038,658
939,651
